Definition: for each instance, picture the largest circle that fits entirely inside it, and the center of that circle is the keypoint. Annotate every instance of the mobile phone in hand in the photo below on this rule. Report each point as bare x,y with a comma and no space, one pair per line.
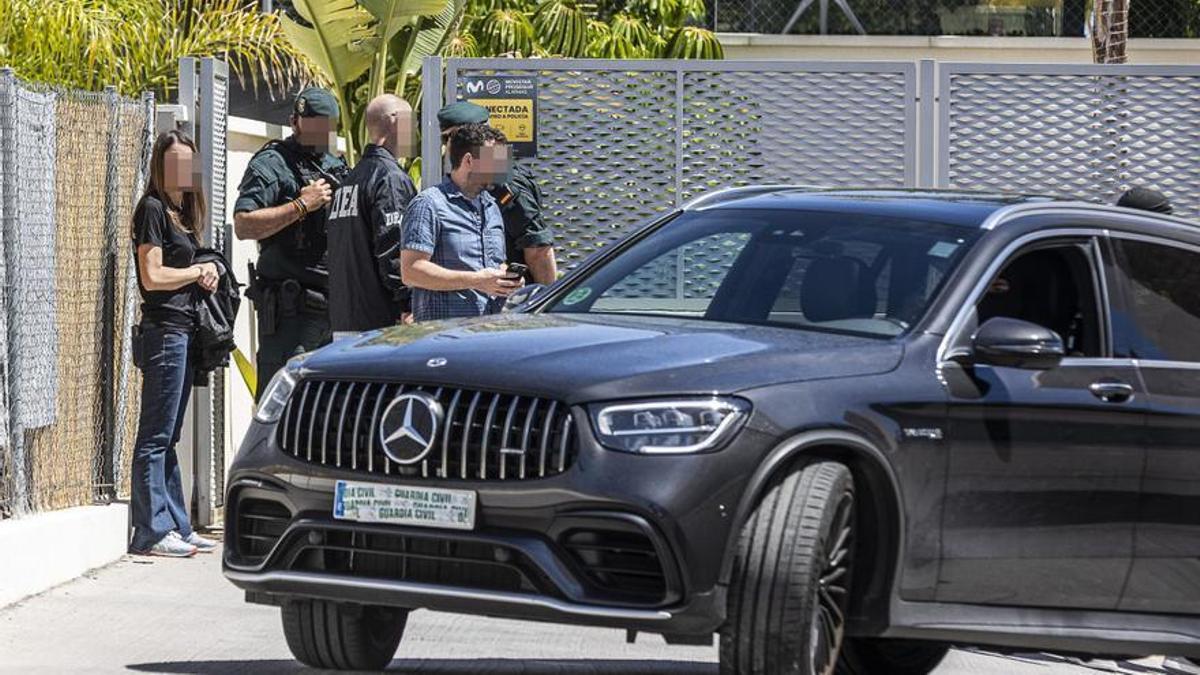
516,271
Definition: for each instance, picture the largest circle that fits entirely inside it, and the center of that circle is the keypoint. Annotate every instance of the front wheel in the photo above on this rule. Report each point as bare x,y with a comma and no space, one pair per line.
339,636
790,586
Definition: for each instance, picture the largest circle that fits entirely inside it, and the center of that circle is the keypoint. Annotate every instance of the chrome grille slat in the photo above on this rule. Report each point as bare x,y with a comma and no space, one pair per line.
467,430
478,428
299,422
446,433
533,406
508,420
325,427
546,438
371,428
487,432
425,462
362,400
562,444
342,419
286,422
313,422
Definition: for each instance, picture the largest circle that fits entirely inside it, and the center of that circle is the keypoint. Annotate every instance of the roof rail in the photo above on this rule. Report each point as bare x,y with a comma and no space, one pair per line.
727,194
1007,213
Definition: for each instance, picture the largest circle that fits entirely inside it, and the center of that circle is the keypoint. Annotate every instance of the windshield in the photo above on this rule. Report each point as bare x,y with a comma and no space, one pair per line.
846,273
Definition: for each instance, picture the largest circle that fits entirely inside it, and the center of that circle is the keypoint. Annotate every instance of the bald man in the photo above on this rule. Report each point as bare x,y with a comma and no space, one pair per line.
365,292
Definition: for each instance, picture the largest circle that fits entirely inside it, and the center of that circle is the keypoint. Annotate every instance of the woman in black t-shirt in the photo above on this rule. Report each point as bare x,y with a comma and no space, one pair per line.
167,225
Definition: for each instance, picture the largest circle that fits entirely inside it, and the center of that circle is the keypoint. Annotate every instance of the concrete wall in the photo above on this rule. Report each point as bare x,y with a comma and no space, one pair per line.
946,48
43,550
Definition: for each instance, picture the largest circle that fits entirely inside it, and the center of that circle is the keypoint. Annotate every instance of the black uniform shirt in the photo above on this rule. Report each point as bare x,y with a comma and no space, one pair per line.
151,225
275,176
524,226
364,244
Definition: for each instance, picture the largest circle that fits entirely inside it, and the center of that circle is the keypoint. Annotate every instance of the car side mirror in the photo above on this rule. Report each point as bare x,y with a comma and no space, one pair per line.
1013,343
523,295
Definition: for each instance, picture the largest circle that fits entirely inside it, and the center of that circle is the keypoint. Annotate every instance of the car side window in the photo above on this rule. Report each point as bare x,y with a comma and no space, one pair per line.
1163,294
1054,287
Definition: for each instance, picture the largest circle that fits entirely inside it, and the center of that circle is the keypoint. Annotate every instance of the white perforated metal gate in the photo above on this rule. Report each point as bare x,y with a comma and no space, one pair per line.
1083,131
621,141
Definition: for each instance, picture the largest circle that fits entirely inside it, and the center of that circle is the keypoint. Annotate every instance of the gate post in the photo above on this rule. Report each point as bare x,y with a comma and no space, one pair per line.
431,133
926,113
108,313
204,95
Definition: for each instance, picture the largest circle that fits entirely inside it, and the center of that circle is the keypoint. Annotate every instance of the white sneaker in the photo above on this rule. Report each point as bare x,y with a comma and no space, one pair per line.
202,545
171,547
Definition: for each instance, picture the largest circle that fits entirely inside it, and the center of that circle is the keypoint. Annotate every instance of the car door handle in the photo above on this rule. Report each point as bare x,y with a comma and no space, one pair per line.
1111,392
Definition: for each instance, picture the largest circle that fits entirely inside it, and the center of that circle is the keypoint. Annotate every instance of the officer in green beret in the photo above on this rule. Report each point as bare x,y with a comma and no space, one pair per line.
529,239
281,204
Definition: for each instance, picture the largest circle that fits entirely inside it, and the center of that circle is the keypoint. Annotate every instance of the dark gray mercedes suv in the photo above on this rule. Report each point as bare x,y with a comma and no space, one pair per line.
842,430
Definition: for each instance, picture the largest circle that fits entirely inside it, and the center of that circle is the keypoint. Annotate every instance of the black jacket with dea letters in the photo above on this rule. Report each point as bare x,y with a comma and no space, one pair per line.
365,292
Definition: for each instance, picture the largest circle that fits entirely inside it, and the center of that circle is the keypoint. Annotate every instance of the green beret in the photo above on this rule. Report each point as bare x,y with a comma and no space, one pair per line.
458,114
315,102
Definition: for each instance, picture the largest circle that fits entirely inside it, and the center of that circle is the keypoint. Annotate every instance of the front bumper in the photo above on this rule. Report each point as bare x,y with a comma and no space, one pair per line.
672,515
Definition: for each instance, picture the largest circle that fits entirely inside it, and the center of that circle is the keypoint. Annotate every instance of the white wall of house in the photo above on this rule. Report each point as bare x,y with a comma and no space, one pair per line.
245,138
946,48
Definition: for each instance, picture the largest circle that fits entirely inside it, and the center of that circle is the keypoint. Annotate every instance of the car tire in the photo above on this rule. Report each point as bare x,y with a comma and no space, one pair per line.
338,636
865,656
791,573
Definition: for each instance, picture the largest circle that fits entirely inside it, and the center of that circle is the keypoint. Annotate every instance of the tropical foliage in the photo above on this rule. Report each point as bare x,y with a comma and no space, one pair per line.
600,29
363,48
136,44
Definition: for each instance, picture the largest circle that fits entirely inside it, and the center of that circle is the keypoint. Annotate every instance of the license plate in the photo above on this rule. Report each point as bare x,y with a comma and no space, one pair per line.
404,505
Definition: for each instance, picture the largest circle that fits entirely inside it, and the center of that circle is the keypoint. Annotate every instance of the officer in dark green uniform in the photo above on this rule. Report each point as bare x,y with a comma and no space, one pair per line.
530,241
282,205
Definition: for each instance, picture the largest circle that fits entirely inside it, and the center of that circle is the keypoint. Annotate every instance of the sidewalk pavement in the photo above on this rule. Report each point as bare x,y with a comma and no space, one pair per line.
180,616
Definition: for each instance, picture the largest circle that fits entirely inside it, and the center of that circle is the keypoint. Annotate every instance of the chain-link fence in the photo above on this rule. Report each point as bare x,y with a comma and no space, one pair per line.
1025,18
71,166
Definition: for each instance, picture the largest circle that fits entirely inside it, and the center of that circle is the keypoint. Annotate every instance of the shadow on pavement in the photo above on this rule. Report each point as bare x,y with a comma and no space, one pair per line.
450,667
1098,665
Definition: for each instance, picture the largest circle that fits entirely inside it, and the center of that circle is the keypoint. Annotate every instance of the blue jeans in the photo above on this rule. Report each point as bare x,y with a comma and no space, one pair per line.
157,489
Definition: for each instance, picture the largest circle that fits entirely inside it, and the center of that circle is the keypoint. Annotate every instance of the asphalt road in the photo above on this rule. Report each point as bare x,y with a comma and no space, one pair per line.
181,616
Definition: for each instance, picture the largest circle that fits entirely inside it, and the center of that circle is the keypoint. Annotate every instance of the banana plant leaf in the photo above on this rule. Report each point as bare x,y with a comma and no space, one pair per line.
338,39
430,37
393,15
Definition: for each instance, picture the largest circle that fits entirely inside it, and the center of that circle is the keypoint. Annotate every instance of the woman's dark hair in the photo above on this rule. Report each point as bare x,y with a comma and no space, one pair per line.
190,215
469,138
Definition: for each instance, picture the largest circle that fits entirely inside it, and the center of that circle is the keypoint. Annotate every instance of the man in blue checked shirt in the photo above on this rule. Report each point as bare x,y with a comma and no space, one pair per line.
453,255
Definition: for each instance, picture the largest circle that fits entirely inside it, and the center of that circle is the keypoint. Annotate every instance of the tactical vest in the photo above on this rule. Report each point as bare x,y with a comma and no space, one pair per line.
301,247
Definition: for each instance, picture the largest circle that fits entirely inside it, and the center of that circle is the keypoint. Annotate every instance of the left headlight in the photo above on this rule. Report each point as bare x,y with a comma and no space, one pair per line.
276,395
665,427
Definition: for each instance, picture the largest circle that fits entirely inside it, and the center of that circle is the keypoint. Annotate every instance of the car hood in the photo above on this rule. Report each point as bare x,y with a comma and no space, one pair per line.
577,358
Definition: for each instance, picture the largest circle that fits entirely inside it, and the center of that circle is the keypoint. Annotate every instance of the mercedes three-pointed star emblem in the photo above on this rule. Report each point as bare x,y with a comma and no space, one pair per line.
409,426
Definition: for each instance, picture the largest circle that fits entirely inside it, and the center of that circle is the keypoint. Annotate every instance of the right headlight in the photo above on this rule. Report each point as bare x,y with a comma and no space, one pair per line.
661,427
277,393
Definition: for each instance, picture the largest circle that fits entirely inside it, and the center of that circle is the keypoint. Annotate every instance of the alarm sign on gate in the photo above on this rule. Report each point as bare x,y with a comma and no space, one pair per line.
511,101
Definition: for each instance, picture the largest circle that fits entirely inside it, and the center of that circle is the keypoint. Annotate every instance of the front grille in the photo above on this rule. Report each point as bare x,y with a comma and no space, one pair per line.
430,560
624,563
260,523
484,436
